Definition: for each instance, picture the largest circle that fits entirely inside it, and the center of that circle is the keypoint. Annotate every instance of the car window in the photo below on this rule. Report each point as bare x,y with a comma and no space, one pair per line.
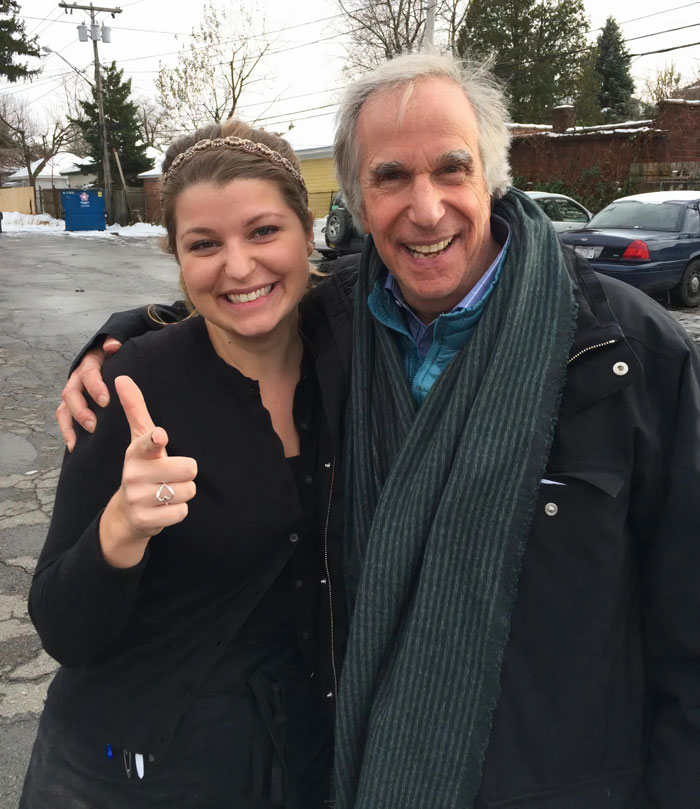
550,208
692,221
640,215
571,212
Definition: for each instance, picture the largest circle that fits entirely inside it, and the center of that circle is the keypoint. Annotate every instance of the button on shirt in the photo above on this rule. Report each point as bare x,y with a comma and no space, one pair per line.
427,348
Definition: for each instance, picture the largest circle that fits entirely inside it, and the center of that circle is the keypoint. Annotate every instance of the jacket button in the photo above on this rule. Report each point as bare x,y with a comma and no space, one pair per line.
551,509
620,368
308,480
294,537
305,635
298,583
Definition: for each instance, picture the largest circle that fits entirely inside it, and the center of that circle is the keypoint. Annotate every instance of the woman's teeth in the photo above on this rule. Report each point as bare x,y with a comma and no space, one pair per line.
429,249
250,296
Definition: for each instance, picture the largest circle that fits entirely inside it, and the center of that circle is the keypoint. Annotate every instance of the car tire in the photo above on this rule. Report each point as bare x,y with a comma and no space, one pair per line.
338,227
687,293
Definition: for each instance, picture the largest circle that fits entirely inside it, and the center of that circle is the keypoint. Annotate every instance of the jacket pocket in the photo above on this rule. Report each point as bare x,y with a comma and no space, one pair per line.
618,790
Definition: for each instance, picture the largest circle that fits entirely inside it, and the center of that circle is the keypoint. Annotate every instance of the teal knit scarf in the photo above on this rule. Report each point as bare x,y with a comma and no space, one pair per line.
441,500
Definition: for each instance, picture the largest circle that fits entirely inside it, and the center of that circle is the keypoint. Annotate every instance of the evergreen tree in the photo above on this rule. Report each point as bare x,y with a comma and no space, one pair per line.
587,90
121,117
14,42
538,45
613,68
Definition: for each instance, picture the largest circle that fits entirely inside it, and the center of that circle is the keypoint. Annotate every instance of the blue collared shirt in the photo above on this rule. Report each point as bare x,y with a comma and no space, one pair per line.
427,349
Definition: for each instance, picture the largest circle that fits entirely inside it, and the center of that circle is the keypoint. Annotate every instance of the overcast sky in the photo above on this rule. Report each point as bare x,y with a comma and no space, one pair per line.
303,72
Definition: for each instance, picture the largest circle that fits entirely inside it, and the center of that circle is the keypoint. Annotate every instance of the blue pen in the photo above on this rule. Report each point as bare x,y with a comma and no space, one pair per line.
110,752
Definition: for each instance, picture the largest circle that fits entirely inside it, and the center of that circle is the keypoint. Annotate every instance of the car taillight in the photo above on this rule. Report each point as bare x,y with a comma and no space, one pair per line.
637,249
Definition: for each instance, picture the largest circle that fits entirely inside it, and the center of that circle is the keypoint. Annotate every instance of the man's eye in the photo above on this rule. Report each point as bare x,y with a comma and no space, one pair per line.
453,170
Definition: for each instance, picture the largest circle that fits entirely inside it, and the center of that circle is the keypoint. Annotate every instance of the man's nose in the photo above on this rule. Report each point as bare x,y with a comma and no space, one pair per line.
427,207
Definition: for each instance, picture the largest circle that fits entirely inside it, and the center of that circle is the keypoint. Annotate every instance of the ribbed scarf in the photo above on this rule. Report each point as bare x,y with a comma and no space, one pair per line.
441,500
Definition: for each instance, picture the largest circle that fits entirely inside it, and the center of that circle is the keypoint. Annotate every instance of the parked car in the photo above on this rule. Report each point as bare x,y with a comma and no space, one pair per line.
341,234
565,213
320,245
652,241
342,237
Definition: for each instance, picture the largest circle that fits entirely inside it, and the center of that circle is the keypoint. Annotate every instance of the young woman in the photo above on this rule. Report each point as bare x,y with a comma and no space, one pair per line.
186,582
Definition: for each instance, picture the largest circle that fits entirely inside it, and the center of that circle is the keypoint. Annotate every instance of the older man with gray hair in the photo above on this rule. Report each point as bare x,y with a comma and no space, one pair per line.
522,464
523,457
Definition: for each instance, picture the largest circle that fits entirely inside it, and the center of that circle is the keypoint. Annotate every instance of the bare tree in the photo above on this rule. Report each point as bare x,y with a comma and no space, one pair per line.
35,142
76,89
381,30
152,120
215,69
453,15
665,84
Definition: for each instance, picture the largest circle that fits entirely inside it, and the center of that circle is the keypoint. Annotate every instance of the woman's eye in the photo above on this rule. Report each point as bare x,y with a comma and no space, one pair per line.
265,230
204,244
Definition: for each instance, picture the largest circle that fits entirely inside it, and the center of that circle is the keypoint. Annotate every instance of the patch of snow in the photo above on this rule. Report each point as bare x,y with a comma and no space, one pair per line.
140,230
13,222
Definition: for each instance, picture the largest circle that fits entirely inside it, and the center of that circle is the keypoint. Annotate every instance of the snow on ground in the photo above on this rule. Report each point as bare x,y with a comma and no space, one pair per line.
14,222
138,230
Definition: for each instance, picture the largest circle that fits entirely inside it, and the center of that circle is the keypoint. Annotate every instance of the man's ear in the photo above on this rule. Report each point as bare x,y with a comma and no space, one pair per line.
363,218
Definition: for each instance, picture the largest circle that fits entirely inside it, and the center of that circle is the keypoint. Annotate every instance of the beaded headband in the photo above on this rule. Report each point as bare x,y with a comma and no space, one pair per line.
232,142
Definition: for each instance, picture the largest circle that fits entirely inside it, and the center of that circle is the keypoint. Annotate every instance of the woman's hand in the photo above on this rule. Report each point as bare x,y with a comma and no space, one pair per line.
155,488
86,377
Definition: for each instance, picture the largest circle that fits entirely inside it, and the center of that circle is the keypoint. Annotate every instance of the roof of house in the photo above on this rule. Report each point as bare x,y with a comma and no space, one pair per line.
62,162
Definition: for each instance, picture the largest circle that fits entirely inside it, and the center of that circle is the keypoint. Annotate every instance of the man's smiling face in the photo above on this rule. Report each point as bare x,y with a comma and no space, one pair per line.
424,197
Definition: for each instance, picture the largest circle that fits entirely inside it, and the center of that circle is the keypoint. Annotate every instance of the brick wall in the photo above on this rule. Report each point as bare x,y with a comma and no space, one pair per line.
151,189
597,163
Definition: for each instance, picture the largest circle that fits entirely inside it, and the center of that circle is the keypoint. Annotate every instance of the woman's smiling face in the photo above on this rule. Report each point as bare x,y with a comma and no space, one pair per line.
244,256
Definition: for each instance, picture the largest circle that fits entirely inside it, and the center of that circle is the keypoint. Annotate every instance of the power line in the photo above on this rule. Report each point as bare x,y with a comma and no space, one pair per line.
183,34
656,13
664,50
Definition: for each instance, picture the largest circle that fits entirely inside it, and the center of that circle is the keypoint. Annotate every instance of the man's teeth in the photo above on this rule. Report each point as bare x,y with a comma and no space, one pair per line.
427,249
250,296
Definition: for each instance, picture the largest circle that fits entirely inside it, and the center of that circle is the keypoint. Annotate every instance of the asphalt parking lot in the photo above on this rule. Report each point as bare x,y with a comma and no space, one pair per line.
55,291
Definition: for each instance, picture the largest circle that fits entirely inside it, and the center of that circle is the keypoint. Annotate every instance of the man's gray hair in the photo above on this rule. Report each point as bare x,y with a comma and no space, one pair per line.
480,86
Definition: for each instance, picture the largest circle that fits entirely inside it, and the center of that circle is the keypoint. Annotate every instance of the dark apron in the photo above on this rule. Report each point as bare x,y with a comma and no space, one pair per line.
253,737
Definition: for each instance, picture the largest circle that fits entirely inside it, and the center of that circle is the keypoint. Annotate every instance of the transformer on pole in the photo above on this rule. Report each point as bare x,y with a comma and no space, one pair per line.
95,34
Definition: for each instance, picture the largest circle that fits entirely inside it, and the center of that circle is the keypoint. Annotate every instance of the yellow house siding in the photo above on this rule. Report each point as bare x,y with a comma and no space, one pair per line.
321,182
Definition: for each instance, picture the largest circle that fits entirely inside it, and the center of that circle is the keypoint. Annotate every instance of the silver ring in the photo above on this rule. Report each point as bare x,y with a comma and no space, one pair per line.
165,493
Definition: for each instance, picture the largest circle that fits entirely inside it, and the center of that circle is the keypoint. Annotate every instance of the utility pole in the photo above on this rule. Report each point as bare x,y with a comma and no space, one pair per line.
95,34
429,35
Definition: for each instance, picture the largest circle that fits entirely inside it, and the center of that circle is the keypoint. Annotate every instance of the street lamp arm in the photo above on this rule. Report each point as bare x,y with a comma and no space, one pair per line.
80,72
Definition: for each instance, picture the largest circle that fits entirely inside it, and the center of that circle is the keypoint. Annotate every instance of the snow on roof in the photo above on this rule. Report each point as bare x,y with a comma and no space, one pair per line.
689,101
529,126
598,131
157,156
64,161
662,196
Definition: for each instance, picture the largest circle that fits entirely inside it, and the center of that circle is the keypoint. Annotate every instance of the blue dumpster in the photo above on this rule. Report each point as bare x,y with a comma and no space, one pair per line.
84,209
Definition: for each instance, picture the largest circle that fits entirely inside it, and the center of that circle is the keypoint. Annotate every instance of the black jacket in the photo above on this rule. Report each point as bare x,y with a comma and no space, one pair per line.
600,703
136,644
600,699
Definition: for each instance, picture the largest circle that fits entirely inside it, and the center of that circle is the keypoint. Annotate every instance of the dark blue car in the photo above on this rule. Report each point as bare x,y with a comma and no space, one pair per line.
652,241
